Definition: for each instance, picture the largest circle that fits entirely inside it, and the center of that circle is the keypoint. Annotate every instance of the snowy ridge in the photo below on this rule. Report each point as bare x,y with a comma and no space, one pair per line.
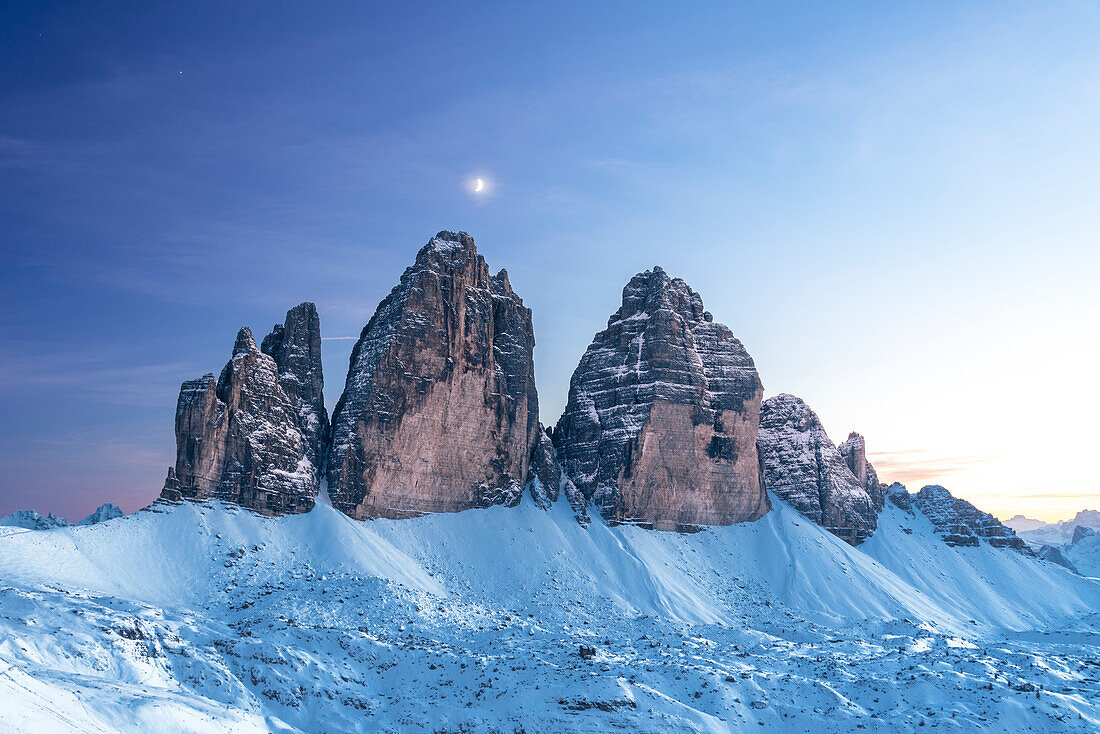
206,617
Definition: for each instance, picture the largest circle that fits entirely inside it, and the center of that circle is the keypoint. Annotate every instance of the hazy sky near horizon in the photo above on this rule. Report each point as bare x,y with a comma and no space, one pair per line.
894,206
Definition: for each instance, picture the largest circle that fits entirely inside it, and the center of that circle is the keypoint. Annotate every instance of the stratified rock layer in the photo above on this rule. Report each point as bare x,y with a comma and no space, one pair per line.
253,435
660,426
854,451
960,523
803,467
440,411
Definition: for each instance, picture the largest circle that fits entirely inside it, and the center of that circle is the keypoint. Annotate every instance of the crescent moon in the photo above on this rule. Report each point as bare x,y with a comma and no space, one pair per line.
479,185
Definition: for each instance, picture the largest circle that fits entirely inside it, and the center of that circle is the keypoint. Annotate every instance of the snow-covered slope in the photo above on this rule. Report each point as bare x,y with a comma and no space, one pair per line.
1085,555
188,617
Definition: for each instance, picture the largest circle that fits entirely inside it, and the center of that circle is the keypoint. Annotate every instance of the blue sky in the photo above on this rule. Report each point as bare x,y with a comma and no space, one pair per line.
892,205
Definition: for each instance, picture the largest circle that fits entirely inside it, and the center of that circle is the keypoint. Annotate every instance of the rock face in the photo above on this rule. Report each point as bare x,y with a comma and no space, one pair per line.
960,523
254,435
440,411
295,345
660,426
546,481
802,466
1054,555
1080,532
854,451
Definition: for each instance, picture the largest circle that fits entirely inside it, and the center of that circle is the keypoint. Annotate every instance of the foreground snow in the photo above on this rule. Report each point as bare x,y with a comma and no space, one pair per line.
204,617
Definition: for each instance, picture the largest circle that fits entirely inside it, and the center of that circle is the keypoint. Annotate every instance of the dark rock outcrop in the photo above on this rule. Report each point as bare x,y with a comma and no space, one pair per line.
252,436
1054,555
440,411
546,481
899,496
854,451
660,426
960,523
801,465
295,345
1080,532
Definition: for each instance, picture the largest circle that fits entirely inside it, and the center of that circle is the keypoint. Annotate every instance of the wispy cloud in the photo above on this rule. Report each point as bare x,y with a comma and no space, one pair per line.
104,376
918,466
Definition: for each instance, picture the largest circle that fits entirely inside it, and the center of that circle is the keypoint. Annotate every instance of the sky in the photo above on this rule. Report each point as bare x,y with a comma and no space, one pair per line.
893,205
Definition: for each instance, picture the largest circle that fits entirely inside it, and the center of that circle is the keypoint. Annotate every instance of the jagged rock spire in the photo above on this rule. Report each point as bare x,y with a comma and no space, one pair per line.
252,436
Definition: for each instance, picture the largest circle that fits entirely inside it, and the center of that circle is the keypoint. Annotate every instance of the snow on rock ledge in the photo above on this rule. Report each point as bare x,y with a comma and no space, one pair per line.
660,426
801,465
254,436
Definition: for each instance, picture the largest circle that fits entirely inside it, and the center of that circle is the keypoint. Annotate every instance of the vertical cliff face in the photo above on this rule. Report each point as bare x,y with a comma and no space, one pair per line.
546,480
295,345
660,426
440,411
854,451
803,467
253,436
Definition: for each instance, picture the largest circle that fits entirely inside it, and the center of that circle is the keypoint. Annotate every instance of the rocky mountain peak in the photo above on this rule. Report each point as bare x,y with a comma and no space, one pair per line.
1081,532
854,451
652,291
295,345
660,425
802,466
245,343
960,523
249,437
439,412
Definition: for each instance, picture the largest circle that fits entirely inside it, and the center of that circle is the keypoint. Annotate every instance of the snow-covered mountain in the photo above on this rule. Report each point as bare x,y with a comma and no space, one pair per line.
1040,533
207,617
32,520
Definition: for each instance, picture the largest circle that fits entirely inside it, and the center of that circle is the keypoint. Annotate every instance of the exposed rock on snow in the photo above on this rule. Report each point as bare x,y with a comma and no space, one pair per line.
252,436
547,481
31,520
899,496
960,523
800,464
1081,532
440,411
854,451
1054,555
106,511
660,426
